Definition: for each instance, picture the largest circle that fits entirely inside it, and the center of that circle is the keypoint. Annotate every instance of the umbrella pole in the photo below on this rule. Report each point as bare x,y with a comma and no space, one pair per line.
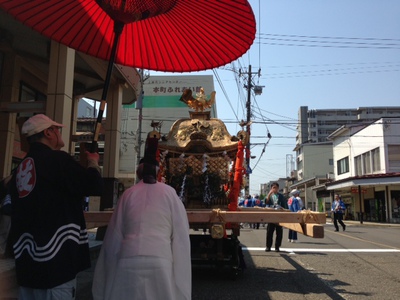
118,27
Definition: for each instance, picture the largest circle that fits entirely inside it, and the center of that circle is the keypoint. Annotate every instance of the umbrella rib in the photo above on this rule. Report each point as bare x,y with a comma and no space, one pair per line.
193,35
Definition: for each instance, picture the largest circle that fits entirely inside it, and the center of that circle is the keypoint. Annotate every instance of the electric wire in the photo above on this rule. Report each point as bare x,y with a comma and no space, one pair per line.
224,91
259,38
329,42
336,64
331,46
258,79
331,37
327,73
268,134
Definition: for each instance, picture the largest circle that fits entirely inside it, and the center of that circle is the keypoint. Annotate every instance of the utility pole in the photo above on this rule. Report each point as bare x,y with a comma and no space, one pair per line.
139,106
258,91
289,165
248,107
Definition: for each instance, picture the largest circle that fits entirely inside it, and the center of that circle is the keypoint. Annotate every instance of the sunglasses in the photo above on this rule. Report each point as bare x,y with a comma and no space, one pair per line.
52,128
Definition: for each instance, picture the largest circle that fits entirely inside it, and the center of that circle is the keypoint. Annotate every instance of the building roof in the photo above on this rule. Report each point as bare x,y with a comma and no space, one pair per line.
355,127
312,144
365,180
304,182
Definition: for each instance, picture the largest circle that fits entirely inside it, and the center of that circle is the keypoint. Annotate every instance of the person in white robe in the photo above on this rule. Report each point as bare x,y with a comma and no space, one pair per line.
146,249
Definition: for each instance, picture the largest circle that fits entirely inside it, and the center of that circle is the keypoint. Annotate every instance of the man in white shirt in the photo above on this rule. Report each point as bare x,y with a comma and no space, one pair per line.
146,249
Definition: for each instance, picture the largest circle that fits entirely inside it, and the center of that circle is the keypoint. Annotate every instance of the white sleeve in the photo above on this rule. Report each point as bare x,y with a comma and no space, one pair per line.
181,250
104,273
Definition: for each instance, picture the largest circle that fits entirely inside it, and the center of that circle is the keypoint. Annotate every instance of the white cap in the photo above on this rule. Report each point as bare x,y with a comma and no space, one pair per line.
295,192
37,124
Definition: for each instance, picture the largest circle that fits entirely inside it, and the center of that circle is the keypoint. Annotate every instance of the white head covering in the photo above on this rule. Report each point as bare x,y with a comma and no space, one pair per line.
38,123
295,192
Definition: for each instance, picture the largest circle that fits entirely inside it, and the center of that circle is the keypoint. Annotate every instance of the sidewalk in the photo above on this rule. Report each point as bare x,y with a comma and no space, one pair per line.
365,223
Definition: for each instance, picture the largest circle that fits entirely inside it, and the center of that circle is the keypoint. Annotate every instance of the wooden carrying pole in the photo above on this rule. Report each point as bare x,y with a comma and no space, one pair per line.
307,222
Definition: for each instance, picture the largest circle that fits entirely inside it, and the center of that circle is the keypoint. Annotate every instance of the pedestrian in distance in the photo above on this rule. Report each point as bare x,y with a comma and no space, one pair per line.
48,229
294,206
247,201
146,248
276,200
338,209
257,203
250,201
301,204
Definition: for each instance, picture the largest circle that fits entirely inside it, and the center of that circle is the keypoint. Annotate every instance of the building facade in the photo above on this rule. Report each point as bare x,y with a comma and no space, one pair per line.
315,125
314,168
159,106
314,128
367,170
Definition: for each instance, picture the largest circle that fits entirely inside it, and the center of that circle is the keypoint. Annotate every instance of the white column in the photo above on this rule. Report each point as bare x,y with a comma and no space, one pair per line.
60,89
113,132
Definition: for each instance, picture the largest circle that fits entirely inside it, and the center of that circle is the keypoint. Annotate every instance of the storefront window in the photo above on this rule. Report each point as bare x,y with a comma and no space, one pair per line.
343,165
357,165
376,161
394,158
395,198
29,94
366,157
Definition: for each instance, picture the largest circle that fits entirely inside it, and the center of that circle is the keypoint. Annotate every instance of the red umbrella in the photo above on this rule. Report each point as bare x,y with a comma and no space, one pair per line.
161,35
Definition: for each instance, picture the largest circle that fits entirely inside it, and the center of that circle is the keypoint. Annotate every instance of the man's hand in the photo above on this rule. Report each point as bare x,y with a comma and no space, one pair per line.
94,157
93,160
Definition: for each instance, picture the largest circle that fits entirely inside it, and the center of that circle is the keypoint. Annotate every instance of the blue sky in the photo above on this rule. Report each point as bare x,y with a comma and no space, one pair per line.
320,54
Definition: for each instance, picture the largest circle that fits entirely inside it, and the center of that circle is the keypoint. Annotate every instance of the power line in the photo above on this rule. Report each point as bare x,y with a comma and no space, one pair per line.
259,33
336,64
224,91
331,37
268,135
270,121
326,73
338,69
330,42
332,46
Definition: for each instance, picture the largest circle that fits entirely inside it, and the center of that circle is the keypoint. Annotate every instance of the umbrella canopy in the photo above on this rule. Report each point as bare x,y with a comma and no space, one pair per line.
161,35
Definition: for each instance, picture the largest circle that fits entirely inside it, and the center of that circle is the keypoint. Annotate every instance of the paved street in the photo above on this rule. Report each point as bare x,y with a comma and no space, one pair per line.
344,265
360,263
354,264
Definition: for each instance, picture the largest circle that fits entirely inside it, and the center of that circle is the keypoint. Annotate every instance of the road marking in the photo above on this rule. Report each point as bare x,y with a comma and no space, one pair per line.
293,250
344,234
